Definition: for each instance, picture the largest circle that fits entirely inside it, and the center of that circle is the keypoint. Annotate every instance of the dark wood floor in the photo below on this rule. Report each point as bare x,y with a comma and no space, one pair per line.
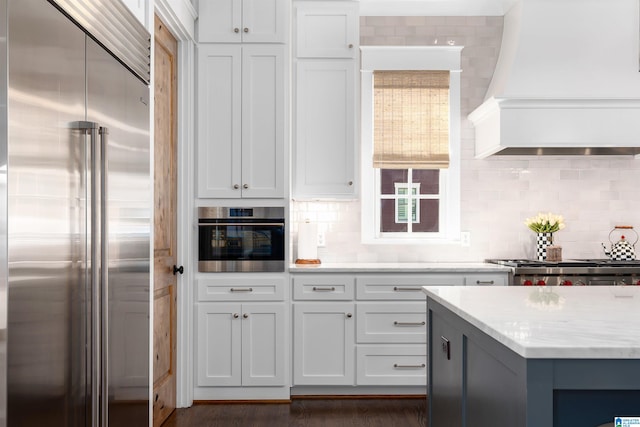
351,412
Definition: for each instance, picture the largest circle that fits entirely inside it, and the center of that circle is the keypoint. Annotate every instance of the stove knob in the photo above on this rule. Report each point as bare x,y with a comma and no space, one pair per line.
567,283
530,283
541,283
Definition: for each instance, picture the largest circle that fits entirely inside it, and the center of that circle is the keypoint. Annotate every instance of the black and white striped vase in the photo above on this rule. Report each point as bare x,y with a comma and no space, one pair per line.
543,240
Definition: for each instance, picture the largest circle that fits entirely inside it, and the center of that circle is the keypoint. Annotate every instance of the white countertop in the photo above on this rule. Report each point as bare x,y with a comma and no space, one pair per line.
405,267
556,322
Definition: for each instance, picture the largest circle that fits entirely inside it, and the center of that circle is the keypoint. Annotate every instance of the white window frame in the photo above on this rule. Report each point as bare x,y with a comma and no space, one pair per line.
410,58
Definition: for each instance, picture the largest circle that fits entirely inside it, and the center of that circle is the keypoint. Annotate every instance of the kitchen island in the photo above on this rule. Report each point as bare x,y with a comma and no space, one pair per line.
532,356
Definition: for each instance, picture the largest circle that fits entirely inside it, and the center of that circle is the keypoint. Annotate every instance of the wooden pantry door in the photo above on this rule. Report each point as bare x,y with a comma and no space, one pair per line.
165,223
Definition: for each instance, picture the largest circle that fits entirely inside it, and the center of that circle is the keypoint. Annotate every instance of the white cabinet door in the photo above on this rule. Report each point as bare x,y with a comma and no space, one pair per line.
241,121
240,344
323,336
219,121
218,345
325,129
327,29
243,21
263,344
263,121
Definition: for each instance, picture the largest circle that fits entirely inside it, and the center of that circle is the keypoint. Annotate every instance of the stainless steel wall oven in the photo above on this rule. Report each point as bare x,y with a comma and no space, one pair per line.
241,239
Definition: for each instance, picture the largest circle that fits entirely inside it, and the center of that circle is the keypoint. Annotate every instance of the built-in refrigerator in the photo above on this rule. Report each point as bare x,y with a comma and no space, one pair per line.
75,209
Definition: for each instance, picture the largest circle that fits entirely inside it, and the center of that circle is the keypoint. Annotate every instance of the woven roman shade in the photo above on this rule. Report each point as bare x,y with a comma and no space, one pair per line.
411,119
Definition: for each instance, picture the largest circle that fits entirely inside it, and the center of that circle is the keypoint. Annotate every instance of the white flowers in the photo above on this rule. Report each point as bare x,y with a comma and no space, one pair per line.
545,223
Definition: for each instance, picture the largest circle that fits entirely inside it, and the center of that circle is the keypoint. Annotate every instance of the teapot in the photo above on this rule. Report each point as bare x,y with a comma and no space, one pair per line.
621,250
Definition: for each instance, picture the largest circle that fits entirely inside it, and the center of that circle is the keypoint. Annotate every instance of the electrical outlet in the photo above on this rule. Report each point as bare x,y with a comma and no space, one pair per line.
321,241
465,238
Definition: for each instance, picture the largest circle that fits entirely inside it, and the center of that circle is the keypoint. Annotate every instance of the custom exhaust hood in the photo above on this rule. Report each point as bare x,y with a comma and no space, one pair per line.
566,81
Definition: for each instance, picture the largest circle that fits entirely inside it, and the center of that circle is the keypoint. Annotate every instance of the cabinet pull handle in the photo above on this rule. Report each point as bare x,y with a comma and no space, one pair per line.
245,186
446,346
349,315
396,323
246,316
236,315
246,30
236,30
324,288
236,186
241,289
484,282
406,288
422,365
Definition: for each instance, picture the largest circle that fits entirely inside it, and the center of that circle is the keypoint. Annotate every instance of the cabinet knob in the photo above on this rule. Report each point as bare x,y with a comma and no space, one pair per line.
349,315
236,186
246,30
350,183
245,186
350,45
236,315
246,316
236,30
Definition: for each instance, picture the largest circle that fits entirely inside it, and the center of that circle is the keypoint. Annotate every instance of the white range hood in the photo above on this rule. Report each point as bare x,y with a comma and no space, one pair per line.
566,81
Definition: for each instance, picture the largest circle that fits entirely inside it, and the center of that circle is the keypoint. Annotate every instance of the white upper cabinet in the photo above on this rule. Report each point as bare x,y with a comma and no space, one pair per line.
325,126
241,121
243,21
325,129
326,29
139,9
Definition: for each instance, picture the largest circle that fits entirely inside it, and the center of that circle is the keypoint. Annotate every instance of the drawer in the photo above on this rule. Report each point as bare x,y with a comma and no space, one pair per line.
400,286
260,288
486,279
400,322
323,287
391,365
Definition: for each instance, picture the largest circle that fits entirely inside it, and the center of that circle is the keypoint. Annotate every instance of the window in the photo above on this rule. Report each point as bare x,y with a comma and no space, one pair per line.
410,144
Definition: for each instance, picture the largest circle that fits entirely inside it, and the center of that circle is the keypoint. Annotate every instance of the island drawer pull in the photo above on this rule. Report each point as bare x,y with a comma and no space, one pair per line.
484,282
324,288
422,365
241,289
406,288
396,323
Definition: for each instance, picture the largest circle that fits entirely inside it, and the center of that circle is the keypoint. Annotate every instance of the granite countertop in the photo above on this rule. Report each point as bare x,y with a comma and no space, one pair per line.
568,322
405,267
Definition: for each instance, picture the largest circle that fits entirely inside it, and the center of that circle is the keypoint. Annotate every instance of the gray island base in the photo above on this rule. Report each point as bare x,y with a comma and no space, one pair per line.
532,357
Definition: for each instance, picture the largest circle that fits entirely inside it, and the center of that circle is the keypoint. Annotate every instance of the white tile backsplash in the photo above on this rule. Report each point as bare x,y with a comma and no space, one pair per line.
593,193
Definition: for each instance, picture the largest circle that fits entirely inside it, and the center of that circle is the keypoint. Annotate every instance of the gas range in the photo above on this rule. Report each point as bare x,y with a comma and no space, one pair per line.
580,272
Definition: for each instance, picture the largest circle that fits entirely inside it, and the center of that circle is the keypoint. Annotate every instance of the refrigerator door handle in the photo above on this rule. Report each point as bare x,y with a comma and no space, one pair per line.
104,277
96,184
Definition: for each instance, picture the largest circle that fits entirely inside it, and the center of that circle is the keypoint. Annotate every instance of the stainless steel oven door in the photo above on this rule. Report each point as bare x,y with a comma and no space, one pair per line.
241,243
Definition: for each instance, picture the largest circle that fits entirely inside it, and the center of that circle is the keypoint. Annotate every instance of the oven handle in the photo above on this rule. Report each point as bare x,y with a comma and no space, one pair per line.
225,224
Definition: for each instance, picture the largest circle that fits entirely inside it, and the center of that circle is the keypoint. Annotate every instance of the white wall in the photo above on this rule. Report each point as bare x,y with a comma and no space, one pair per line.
498,193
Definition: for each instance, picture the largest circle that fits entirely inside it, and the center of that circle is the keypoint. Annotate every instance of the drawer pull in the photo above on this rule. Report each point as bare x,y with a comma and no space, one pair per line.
406,289
420,366
484,282
396,323
324,288
241,289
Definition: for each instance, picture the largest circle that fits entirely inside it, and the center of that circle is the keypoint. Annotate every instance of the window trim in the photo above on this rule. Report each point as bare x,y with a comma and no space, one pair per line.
410,58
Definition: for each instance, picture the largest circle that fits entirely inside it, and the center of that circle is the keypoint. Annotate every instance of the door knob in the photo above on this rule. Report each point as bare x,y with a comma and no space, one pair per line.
177,270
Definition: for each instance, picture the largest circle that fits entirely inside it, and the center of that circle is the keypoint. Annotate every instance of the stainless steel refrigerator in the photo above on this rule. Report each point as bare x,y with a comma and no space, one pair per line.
75,209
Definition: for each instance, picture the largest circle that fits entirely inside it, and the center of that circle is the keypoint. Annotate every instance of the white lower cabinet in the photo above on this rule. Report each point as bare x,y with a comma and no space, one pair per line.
391,322
240,344
397,365
323,337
